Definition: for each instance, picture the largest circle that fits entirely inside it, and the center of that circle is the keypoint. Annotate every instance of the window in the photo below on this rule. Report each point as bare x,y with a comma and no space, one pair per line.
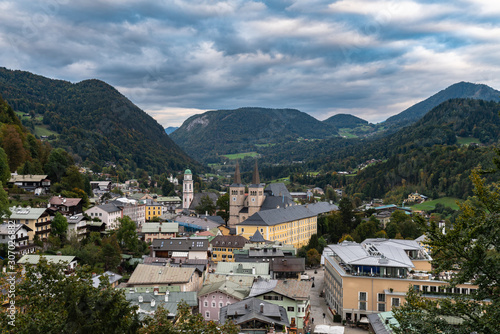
207,315
381,297
381,307
362,306
290,309
205,304
433,288
221,305
213,304
416,288
213,297
220,297
261,230
395,301
362,296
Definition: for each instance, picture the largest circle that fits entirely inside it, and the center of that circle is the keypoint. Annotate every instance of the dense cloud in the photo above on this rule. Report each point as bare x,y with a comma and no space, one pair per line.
176,58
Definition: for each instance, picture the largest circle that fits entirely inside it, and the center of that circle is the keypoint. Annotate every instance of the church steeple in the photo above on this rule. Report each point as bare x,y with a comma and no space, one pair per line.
237,175
255,176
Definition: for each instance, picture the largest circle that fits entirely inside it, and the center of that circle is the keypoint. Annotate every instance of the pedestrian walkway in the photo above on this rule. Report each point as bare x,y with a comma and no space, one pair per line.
319,306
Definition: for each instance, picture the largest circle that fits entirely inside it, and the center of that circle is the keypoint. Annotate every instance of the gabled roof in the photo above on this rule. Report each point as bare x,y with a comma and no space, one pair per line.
243,268
293,289
27,213
227,287
246,281
34,259
27,178
147,274
160,228
277,190
56,200
109,207
322,207
76,218
6,229
112,277
232,241
181,244
288,264
249,309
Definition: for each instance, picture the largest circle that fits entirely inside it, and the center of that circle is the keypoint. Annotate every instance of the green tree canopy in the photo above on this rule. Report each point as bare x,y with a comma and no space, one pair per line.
469,248
55,303
206,205
127,235
59,225
4,167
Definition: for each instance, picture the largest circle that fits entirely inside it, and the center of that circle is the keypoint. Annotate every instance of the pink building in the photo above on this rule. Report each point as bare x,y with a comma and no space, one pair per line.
212,297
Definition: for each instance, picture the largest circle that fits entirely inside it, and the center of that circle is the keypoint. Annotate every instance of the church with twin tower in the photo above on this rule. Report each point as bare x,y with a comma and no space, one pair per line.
242,206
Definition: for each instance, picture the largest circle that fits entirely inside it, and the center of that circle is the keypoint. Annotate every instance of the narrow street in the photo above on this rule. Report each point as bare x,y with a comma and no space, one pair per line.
319,306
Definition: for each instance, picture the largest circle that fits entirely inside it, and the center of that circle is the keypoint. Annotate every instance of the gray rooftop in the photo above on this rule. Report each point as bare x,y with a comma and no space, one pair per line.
181,244
278,216
371,255
160,228
5,230
250,309
227,287
112,277
26,213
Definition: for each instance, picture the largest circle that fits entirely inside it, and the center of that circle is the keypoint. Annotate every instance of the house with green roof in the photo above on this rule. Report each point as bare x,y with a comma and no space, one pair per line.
37,219
243,269
148,303
68,260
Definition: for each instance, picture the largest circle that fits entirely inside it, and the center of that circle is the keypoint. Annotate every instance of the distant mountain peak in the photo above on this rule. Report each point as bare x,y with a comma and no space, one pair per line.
458,90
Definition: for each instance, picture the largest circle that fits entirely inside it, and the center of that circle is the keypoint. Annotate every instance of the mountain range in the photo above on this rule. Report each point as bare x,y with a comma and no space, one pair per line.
92,121
285,135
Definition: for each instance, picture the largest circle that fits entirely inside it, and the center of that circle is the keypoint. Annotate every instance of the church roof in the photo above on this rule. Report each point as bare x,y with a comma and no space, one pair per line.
255,176
278,190
237,175
277,216
188,171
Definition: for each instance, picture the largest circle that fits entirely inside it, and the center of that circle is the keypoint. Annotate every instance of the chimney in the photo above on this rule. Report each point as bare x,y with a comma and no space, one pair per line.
253,270
261,307
140,299
246,306
166,295
153,303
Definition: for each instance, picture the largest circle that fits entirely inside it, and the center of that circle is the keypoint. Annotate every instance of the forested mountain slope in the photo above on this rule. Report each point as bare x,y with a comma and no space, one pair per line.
94,122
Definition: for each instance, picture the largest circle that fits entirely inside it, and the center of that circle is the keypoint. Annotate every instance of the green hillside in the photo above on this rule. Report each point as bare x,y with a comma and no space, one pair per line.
222,132
94,122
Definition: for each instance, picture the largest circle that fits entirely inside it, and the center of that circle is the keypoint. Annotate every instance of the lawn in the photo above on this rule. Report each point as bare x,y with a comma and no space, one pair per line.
241,155
467,140
430,205
346,133
42,131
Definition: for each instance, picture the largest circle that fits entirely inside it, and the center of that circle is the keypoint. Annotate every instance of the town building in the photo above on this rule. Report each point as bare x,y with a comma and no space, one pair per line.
223,247
374,276
66,206
149,302
189,248
292,295
107,213
21,238
39,184
188,189
77,226
186,278
255,270
153,209
253,315
214,296
69,262
113,279
151,231
37,219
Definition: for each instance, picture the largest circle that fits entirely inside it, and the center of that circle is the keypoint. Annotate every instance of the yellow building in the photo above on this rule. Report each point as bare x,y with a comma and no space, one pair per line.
153,209
38,219
292,225
223,247
374,276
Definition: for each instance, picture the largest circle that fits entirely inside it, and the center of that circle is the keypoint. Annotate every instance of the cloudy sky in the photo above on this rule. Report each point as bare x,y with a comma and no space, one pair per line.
176,58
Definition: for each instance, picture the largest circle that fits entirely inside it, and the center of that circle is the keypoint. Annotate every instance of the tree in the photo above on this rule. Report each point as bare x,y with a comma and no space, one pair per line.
127,235
346,237
110,252
59,160
313,257
72,178
471,246
167,187
4,202
4,167
206,205
55,303
13,146
59,225
223,207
